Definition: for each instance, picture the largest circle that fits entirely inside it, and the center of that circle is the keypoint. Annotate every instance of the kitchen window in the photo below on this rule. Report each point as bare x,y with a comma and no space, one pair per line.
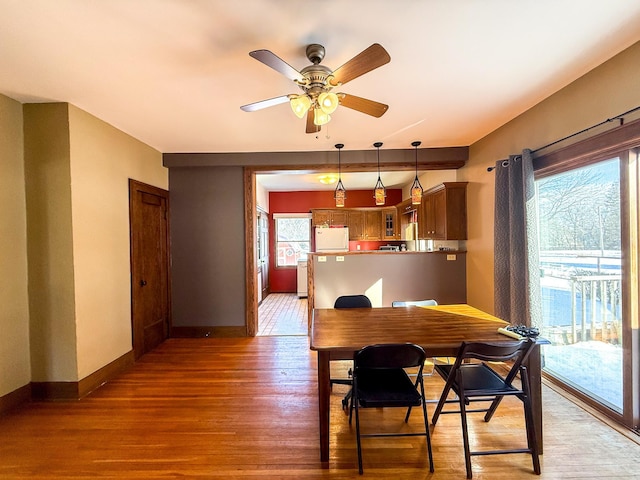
293,238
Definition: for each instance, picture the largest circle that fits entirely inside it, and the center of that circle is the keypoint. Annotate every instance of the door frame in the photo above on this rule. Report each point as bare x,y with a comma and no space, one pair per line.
135,186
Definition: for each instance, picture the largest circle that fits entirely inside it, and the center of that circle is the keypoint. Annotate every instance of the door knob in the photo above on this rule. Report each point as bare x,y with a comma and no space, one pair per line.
143,283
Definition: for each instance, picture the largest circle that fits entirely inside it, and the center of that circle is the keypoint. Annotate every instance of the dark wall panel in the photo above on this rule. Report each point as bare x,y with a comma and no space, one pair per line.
207,246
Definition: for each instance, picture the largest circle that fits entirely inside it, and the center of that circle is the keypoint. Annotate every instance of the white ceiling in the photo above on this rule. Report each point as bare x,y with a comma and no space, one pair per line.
174,73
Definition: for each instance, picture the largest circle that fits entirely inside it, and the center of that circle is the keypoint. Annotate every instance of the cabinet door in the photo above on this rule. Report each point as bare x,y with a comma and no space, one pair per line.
339,217
356,225
425,217
373,225
320,217
439,208
389,223
456,212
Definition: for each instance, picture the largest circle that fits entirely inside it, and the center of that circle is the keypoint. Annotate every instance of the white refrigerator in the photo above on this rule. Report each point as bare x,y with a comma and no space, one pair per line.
328,239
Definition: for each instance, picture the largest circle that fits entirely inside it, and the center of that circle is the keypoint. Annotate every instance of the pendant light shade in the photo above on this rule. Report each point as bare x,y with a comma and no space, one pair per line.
328,102
300,104
379,192
416,188
320,117
340,193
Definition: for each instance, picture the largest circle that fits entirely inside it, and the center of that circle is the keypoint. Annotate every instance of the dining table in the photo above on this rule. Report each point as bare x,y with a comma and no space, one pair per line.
336,334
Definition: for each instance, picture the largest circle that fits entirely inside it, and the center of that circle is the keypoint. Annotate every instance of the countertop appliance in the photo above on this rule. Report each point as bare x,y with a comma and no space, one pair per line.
332,239
390,248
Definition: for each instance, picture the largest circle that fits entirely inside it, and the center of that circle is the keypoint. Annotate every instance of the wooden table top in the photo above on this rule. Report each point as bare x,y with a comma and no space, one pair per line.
442,328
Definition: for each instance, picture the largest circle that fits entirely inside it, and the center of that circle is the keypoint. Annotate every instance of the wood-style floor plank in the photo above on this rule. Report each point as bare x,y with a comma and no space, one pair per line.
247,408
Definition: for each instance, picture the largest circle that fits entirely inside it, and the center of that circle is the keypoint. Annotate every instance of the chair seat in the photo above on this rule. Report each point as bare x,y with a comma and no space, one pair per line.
387,388
479,379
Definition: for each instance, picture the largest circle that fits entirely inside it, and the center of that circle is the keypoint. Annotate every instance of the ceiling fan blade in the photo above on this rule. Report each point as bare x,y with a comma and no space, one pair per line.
252,107
369,59
363,105
311,127
270,59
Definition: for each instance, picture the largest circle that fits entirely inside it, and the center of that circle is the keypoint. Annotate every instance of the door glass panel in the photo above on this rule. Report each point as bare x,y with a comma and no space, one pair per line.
580,279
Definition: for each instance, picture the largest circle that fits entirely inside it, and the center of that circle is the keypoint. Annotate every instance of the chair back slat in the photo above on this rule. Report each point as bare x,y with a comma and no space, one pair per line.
517,352
390,356
352,301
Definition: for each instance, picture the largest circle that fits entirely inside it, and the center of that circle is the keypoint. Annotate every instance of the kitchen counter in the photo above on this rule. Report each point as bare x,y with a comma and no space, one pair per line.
386,276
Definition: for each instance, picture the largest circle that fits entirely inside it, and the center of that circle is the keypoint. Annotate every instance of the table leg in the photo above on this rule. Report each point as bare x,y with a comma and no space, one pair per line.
534,372
324,392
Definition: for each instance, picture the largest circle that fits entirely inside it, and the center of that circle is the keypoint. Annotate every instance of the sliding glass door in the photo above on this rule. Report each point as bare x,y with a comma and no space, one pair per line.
581,270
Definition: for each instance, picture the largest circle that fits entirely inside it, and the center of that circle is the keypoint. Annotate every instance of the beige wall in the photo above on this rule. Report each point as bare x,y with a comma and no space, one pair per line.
431,179
49,243
77,170
15,363
606,91
102,161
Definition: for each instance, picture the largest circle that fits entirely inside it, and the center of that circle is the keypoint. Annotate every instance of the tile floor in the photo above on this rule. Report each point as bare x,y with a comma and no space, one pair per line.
282,314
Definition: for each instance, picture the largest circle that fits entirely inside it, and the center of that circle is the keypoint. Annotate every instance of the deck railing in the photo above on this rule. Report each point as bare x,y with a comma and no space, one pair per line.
595,310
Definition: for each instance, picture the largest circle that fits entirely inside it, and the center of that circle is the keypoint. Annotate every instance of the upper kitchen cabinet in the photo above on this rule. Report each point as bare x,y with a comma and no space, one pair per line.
373,224
356,224
329,216
443,213
390,229
365,224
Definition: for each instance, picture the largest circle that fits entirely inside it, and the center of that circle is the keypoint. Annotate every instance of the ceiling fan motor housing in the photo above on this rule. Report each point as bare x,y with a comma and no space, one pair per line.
315,53
316,79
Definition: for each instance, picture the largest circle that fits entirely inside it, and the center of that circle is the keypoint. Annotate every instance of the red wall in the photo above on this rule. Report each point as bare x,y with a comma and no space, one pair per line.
283,280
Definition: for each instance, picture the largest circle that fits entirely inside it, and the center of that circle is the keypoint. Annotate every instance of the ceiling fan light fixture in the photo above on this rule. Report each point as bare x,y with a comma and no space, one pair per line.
328,179
328,102
300,104
320,117
416,188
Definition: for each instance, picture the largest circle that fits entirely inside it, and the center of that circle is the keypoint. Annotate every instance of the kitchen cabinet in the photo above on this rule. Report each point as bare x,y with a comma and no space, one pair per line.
373,224
356,224
365,224
390,230
443,212
329,216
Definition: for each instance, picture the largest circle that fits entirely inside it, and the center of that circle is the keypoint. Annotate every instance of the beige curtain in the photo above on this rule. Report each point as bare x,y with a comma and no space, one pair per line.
516,265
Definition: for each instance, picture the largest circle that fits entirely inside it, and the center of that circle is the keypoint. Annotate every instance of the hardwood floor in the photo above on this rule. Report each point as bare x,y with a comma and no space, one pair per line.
224,408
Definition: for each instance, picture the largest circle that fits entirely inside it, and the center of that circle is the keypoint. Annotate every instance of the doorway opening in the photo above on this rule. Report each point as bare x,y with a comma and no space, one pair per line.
282,314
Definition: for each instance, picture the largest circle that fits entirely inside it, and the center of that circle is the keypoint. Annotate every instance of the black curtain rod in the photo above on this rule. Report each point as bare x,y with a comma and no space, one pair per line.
619,117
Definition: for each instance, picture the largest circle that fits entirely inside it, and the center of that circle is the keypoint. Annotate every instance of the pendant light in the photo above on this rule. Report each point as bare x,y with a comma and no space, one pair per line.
379,191
340,193
416,188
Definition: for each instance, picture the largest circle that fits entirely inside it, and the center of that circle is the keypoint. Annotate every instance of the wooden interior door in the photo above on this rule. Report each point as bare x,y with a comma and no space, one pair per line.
150,286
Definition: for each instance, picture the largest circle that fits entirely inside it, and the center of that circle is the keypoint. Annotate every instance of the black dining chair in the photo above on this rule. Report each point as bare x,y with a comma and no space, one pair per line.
380,381
473,380
349,301
352,301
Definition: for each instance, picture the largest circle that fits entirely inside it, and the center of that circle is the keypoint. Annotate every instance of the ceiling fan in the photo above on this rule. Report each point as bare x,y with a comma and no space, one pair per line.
316,81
